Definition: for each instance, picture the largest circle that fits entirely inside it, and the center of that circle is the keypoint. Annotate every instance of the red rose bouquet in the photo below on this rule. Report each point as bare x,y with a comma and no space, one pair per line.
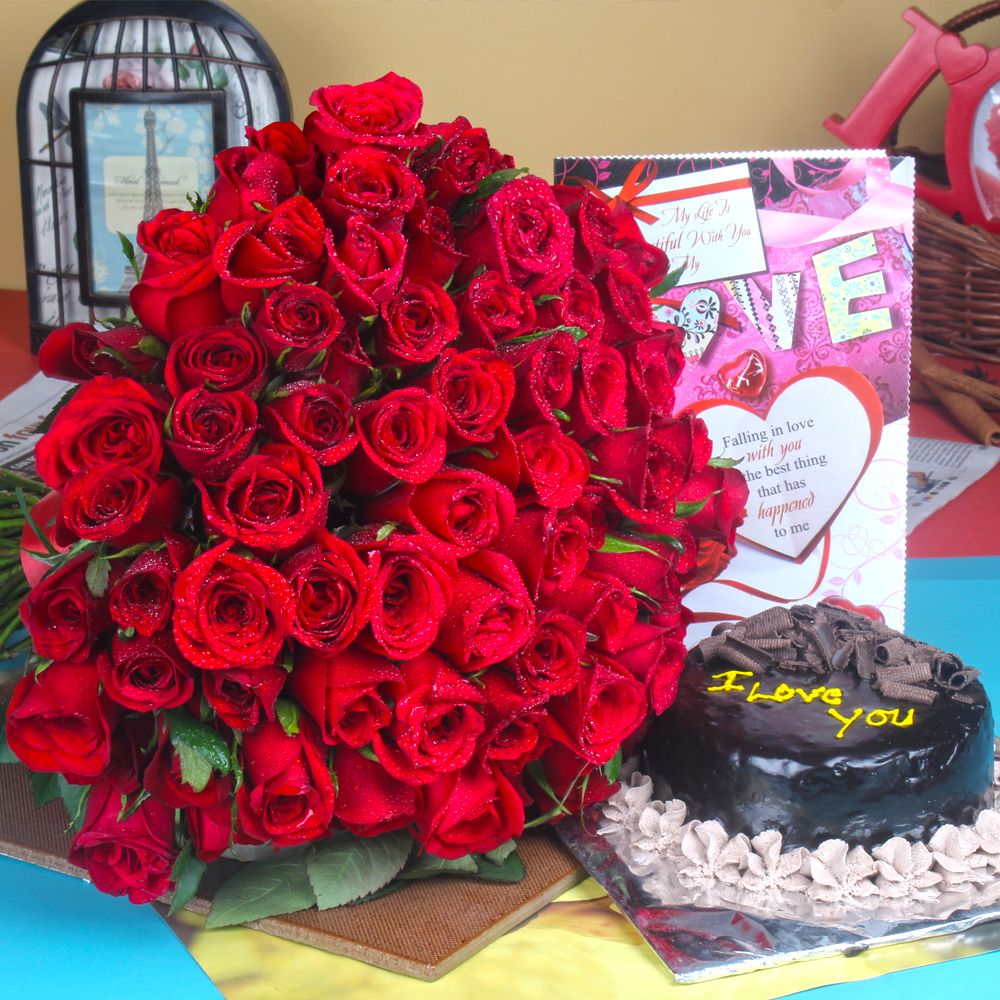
371,527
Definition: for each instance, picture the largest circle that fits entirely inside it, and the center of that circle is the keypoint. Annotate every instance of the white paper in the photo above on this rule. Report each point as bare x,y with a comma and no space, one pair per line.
21,413
938,471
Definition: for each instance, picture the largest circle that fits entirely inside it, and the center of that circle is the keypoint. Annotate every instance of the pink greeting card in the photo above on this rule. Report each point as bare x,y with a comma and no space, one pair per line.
794,300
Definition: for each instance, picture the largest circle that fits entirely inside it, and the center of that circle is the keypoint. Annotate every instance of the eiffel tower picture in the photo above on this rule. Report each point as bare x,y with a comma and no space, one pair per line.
152,194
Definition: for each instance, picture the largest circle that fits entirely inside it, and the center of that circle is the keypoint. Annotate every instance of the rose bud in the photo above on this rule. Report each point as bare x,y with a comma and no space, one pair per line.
231,611
287,141
332,593
287,796
133,856
370,801
211,829
512,717
240,697
655,657
179,289
146,674
572,783
143,597
654,365
384,112
577,304
472,811
724,495
652,572
549,662
494,310
464,509
546,368
600,402
627,309
596,233
417,324
648,262
223,359
466,158
604,604
410,593
431,253
316,418
77,352
555,466
212,432
550,548
403,436
249,181
255,256
525,235
274,501
164,780
598,716
59,720
476,390
107,420
364,267
295,323
120,505
497,458
64,618
369,182
490,616
345,694
437,722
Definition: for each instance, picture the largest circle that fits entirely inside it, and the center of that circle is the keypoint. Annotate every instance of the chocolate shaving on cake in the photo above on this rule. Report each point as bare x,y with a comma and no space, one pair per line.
826,639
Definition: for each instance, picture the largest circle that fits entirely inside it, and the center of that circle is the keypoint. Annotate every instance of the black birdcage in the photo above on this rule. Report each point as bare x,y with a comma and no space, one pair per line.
121,107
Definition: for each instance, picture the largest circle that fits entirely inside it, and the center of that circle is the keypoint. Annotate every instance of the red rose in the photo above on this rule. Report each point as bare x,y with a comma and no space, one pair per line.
654,655
472,811
494,310
577,304
547,369
598,716
146,674
316,418
64,618
432,253
555,466
332,593
476,389
143,598
77,352
466,158
274,501
417,324
437,723
346,694
250,181
179,289
163,778
604,604
512,716
403,436
463,508
296,322
525,235
283,245
573,782
596,232
369,182
724,494
120,505
60,720
107,420
240,697
652,572
410,593
224,359
370,801
211,830
212,432
550,548
549,662
131,857
600,403
627,309
288,795
490,616
384,112
364,267
287,141
654,366
231,611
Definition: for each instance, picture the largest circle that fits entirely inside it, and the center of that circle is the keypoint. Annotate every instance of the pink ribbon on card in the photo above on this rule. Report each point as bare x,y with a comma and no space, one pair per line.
889,206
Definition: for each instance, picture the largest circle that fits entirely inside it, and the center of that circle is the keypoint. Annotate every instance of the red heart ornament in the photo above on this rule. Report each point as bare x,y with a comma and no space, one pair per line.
745,375
957,60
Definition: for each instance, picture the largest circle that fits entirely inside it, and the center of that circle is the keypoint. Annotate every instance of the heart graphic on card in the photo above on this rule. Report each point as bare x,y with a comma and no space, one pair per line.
697,315
804,458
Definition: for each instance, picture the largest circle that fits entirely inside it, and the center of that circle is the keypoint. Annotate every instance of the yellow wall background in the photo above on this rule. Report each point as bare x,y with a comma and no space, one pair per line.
564,77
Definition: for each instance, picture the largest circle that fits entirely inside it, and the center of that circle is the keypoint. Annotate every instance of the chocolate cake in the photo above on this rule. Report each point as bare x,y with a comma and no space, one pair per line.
821,723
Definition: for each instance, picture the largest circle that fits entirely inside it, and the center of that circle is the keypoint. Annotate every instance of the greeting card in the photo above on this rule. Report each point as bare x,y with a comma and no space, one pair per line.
793,295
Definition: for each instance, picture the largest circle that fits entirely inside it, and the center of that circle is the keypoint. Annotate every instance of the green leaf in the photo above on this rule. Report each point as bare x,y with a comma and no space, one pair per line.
499,854
385,531
542,299
668,282
263,889
670,540
428,865
348,868
197,203
688,508
246,315
44,787
63,400
288,715
526,338
152,347
74,798
205,741
129,252
613,766
97,574
605,479
561,415
619,546
511,869
369,754
486,188
485,452
195,770
186,876
129,808
724,463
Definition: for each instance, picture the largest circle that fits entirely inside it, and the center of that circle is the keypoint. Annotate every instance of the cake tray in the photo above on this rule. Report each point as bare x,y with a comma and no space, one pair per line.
699,942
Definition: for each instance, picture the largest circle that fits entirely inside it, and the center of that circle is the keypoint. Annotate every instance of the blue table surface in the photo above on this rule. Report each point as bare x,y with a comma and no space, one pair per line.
62,938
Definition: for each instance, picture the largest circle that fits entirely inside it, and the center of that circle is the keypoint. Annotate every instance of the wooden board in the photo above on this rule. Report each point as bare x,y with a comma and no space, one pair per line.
424,930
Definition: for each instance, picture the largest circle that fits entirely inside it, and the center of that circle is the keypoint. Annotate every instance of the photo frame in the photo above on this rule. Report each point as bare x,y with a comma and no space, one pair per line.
134,153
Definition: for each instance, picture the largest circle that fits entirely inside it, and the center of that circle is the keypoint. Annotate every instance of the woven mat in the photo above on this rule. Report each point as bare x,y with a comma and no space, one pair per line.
424,930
